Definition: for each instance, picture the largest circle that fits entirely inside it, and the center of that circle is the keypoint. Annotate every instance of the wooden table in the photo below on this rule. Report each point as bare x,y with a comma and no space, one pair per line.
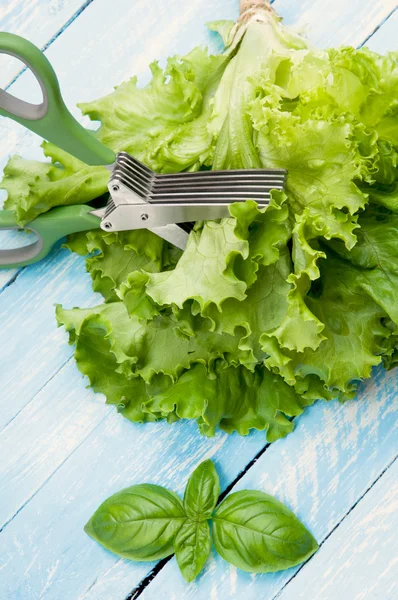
63,451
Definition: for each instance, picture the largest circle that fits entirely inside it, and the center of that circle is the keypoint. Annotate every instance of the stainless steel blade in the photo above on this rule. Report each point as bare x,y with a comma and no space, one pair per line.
173,234
137,185
211,197
158,183
248,173
218,193
219,183
126,157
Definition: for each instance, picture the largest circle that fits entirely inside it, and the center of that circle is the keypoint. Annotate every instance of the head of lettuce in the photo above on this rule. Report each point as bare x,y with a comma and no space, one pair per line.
268,310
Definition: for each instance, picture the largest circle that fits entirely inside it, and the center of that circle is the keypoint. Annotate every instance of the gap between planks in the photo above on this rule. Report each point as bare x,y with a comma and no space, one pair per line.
11,280
52,474
331,532
54,37
379,26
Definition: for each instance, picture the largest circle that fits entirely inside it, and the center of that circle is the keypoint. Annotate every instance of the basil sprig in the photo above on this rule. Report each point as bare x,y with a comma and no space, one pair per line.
250,529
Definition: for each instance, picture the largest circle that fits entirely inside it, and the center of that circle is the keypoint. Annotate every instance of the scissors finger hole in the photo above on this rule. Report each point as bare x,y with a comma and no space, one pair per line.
16,238
18,246
35,87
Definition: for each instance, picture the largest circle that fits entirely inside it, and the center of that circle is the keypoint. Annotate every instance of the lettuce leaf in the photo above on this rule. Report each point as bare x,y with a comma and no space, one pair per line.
234,400
164,123
374,258
34,187
113,256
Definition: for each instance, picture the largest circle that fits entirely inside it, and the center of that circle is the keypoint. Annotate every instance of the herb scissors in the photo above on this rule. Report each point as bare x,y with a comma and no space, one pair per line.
167,204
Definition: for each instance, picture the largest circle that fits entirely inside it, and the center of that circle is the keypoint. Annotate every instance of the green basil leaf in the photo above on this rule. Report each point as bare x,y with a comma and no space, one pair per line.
192,547
139,522
202,491
257,533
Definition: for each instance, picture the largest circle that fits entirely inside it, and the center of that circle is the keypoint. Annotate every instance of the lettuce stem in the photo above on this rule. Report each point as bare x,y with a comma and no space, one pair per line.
254,6
253,10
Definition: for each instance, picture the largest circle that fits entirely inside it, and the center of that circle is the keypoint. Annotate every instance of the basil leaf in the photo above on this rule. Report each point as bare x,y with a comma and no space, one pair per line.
256,533
192,547
139,522
202,491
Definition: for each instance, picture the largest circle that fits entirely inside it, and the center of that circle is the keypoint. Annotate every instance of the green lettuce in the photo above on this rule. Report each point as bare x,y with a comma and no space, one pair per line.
114,256
268,310
34,187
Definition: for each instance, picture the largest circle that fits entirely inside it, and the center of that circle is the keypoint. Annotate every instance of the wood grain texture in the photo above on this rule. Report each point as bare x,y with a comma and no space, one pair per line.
333,457
386,37
35,348
335,22
360,560
38,21
65,452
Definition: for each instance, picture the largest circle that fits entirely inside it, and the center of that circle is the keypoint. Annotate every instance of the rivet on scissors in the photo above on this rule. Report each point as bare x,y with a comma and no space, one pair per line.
108,225
144,217
115,188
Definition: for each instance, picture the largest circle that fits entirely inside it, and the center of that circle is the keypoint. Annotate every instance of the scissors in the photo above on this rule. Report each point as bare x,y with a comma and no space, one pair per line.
167,204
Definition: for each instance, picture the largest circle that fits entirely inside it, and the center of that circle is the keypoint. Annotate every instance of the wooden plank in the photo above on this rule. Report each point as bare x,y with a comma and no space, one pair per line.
333,457
49,437
360,560
37,20
335,22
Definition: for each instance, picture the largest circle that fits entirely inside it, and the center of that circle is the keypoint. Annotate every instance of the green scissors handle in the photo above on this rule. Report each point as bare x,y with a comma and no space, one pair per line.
51,120
49,227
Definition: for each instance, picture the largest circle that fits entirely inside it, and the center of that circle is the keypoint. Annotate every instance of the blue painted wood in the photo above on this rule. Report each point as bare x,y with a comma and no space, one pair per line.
335,22
360,559
69,465
36,349
37,20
